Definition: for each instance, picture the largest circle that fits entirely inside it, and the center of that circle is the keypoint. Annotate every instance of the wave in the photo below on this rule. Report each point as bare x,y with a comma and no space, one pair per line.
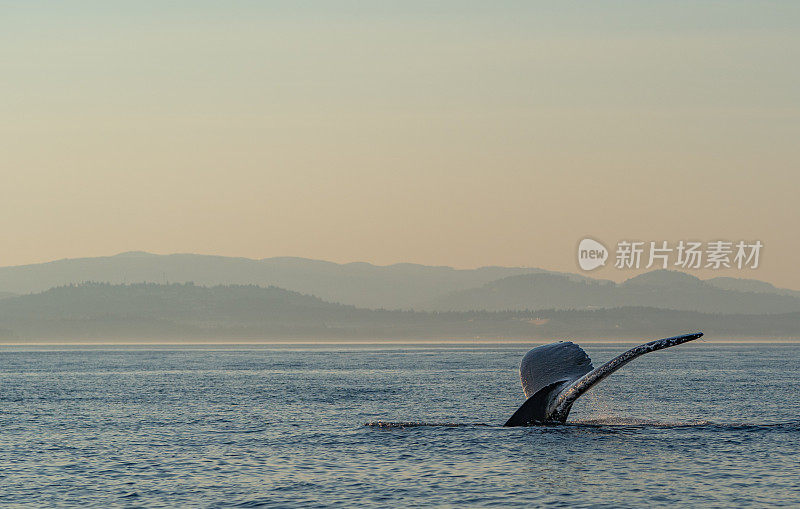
415,424
632,421
607,423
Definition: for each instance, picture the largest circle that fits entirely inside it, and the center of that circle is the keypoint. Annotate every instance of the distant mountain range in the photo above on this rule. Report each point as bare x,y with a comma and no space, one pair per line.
410,286
177,312
659,289
400,286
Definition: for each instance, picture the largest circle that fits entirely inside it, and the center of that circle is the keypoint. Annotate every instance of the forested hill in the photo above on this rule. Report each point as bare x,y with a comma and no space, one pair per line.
412,286
155,312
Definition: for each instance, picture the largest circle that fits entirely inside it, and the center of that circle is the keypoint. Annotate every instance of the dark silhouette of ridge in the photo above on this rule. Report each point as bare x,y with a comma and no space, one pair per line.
185,311
660,289
403,285
413,286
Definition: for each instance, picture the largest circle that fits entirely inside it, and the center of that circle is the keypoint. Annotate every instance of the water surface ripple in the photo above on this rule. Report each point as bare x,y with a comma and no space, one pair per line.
712,425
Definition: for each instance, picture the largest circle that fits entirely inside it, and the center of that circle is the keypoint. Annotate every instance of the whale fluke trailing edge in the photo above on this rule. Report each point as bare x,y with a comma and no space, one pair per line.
555,375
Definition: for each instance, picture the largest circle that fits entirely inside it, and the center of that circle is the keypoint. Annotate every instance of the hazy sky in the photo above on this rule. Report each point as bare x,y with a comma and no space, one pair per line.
454,133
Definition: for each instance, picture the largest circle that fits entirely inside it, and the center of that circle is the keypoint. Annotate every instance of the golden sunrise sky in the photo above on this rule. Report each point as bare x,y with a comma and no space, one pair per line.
450,133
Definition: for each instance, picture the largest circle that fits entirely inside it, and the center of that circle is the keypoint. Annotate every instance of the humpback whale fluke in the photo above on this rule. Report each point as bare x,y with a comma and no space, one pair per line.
555,375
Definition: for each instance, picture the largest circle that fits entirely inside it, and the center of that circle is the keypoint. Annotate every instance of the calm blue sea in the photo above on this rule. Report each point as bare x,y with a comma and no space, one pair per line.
704,424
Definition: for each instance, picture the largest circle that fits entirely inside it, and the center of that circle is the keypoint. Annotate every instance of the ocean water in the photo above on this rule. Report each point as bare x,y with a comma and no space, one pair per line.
703,424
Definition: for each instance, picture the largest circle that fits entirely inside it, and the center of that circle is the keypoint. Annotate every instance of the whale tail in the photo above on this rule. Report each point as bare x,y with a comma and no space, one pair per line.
554,376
